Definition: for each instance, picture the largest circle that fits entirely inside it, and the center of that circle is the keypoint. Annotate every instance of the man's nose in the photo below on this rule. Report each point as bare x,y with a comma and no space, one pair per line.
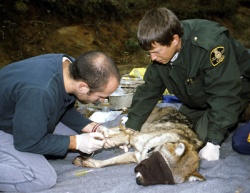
153,56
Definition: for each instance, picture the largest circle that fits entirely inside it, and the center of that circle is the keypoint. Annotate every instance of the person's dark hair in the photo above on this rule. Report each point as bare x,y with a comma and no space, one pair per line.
94,68
158,26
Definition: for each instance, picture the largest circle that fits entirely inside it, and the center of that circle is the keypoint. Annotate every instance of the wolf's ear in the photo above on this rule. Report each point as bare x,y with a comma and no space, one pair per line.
196,176
180,148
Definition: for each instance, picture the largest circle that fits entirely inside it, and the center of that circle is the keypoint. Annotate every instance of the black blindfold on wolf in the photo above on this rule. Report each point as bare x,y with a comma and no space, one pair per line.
154,170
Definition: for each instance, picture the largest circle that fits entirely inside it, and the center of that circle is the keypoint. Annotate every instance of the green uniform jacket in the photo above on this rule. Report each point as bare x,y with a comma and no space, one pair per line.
210,75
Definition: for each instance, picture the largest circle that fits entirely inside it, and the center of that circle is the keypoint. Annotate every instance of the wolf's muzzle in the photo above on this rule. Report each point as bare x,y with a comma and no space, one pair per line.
154,170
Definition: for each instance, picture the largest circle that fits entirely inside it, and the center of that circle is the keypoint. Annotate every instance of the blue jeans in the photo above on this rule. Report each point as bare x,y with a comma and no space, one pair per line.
23,171
241,139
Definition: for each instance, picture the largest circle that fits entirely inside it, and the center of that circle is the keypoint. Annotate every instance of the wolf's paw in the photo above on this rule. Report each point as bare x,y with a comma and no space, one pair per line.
77,161
88,163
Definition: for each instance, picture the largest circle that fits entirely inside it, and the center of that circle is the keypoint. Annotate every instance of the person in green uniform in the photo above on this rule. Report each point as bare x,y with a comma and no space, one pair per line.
201,64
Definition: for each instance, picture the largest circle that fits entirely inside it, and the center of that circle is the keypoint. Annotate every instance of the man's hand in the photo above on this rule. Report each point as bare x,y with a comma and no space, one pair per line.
210,152
127,131
106,133
89,142
124,147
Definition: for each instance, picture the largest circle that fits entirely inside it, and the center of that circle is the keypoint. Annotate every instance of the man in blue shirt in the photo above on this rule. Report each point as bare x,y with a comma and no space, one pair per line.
36,95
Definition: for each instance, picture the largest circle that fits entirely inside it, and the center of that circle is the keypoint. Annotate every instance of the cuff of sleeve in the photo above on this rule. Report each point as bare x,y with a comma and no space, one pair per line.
133,125
77,142
213,142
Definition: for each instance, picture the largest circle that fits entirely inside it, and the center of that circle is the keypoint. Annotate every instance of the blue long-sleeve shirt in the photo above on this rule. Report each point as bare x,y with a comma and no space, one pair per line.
32,102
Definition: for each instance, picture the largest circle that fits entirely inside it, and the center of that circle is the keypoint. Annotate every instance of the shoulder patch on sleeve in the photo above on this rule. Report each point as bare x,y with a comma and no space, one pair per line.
217,55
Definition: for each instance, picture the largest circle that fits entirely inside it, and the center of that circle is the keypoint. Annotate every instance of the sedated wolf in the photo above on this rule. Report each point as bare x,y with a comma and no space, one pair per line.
165,150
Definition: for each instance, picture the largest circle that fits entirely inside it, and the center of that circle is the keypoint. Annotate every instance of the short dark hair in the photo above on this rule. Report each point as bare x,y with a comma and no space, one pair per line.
95,68
158,26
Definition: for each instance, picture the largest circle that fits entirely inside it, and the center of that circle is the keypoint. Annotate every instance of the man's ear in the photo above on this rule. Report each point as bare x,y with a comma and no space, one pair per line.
83,87
176,40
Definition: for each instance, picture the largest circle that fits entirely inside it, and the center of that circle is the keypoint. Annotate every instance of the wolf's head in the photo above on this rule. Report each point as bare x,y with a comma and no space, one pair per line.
166,157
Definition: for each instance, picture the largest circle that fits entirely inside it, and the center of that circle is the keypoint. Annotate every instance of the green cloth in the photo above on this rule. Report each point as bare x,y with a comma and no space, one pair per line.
215,89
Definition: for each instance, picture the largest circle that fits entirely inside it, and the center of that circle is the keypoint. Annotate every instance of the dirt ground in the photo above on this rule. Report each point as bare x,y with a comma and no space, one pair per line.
31,33
25,37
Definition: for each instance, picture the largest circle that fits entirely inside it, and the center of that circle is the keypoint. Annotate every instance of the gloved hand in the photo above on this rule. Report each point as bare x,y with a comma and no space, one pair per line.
210,152
125,147
89,142
106,133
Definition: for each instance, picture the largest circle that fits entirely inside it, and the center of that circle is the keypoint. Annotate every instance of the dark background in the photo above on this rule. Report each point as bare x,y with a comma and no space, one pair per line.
32,27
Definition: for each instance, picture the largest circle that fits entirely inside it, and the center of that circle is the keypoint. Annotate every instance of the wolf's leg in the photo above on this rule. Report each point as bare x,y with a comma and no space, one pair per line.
125,158
121,138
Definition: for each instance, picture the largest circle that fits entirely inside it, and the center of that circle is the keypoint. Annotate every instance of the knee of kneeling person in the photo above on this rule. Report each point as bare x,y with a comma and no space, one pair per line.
47,181
241,146
43,180
50,180
241,149
236,145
